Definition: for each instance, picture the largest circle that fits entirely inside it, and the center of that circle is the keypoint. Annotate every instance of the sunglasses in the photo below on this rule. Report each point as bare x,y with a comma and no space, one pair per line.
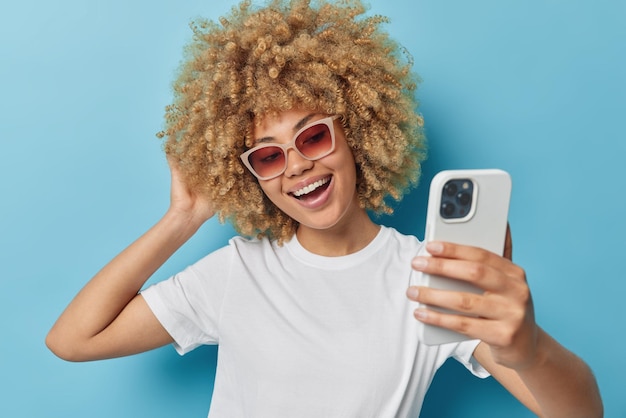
312,142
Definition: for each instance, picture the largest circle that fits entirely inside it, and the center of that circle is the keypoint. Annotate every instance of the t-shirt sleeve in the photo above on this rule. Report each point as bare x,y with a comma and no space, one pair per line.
188,304
464,354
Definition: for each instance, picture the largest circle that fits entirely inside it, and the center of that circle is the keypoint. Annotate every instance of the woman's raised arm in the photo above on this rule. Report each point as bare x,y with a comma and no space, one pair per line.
108,318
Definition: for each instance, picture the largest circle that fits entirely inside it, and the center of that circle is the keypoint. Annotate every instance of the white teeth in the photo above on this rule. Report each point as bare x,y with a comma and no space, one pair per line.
308,189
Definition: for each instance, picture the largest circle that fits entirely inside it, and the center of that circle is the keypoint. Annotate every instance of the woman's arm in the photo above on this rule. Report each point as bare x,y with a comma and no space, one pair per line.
557,384
108,318
540,372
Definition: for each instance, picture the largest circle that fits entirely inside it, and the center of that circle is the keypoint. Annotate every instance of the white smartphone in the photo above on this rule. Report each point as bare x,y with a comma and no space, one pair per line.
468,207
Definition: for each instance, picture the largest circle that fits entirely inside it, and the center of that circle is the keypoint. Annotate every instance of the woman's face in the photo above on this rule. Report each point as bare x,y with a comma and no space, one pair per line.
317,194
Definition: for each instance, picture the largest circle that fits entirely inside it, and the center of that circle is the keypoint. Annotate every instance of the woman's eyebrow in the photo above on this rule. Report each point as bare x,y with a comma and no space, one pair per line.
301,123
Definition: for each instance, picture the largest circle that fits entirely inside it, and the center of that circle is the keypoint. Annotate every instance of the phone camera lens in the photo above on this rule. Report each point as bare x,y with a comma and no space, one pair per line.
447,209
450,189
464,198
457,195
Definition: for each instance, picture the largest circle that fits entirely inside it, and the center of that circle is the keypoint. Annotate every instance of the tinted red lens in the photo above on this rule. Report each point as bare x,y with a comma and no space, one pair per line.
314,141
267,161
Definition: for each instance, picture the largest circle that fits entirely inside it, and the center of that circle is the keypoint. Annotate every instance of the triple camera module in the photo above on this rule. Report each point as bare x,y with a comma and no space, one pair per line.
456,199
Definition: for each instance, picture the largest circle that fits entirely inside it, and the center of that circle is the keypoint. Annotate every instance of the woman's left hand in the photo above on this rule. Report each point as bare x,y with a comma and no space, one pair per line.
502,316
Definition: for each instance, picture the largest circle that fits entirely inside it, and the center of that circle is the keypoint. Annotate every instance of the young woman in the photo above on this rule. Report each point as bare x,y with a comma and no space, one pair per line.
293,121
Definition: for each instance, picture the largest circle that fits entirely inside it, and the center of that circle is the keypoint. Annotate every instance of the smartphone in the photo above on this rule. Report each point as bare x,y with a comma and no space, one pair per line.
468,207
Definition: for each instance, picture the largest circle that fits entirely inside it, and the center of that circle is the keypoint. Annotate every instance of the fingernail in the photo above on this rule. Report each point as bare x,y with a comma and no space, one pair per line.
434,247
412,292
420,314
419,263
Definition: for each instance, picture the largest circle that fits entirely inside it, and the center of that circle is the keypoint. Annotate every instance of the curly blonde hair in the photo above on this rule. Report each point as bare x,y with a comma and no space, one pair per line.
257,62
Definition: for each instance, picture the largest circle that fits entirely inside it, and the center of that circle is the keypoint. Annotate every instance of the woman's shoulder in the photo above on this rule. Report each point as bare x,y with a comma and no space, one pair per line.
399,238
252,243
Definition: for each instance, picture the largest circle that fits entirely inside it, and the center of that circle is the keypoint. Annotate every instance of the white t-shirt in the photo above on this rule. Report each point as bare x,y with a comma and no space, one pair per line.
302,335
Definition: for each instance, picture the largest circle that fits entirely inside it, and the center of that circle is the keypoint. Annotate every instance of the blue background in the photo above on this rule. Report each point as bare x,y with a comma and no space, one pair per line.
534,87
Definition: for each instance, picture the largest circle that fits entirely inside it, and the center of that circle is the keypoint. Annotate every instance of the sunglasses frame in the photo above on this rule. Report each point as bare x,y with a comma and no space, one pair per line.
328,121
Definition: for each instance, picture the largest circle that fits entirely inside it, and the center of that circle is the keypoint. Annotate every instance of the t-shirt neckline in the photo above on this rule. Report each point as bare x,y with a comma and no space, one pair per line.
340,262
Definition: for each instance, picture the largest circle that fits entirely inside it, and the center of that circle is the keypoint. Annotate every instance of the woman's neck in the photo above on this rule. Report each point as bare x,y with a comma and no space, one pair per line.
344,238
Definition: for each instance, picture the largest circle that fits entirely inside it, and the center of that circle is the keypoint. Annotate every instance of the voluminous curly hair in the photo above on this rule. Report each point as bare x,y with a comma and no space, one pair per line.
325,57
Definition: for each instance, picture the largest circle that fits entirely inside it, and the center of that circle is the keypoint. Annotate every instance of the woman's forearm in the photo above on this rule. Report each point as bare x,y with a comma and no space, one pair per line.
107,294
561,383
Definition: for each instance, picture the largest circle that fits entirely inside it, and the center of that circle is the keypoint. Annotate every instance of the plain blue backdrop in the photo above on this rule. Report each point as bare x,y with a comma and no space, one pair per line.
536,87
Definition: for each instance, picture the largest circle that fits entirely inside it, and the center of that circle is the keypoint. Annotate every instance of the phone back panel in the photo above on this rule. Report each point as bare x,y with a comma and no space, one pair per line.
484,226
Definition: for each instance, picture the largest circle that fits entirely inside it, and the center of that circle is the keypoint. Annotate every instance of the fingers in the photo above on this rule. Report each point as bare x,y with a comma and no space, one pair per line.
493,332
498,309
475,265
476,273
487,305
490,317
462,324
185,200
493,275
461,302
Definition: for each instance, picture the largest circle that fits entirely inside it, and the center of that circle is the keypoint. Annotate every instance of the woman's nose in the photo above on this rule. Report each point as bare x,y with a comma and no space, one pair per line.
296,164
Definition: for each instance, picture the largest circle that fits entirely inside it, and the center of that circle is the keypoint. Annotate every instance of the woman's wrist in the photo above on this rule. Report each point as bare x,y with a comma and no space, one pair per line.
181,224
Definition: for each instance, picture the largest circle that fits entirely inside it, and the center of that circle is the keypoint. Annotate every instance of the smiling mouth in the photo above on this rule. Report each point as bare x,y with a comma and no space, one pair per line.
318,185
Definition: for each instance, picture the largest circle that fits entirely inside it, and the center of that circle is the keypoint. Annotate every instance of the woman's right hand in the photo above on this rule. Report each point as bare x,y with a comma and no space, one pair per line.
196,207
109,318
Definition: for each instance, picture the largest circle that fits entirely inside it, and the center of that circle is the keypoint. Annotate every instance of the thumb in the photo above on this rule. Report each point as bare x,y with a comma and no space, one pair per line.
508,244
